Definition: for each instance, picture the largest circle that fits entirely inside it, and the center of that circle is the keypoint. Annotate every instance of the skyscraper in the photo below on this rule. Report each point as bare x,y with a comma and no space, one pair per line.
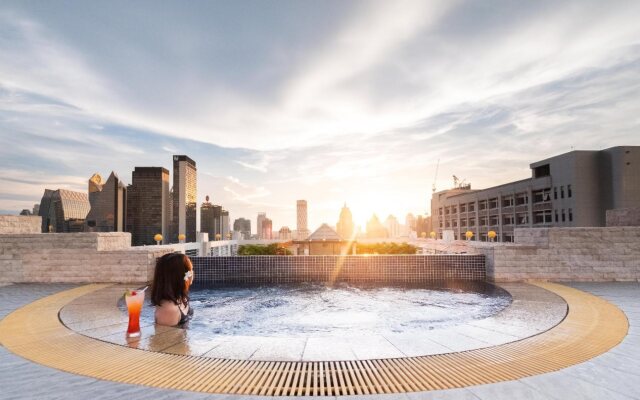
224,221
184,198
266,229
375,228
284,233
393,226
108,202
148,205
207,219
345,224
243,226
64,210
302,228
261,217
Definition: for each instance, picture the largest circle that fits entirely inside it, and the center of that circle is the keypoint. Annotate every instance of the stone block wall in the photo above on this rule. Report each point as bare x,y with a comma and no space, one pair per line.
562,254
20,224
76,258
623,217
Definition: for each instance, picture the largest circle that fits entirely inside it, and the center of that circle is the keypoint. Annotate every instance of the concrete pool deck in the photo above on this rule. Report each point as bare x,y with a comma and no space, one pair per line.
611,375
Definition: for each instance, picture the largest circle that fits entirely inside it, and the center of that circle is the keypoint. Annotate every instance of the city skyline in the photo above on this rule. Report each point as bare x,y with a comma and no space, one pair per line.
331,102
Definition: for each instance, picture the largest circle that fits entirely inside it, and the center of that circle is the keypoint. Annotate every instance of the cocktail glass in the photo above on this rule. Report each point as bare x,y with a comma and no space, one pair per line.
134,300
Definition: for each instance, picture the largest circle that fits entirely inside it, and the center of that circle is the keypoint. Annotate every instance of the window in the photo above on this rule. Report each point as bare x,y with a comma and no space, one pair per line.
564,217
562,192
493,203
508,219
541,196
472,207
556,212
472,222
507,237
483,221
543,170
454,223
454,210
463,222
447,210
570,215
447,224
569,193
440,211
522,219
482,205
555,193
522,199
542,217
507,201
493,220
463,208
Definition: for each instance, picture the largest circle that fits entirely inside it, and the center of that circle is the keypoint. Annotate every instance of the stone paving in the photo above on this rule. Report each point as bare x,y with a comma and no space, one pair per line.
614,375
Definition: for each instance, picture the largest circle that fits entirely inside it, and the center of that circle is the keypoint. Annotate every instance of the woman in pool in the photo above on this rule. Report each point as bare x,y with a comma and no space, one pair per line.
170,289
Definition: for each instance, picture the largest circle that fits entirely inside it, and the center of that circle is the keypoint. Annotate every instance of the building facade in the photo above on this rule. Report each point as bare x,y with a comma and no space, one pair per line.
261,217
64,210
148,205
345,226
574,189
302,228
284,233
267,229
184,198
243,226
108,204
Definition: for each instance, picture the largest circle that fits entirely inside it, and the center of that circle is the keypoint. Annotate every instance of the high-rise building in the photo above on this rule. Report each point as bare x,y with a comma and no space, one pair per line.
224,220
148,205
573,189
266,233
207,219
243,226
108,202
184,198
284,233
345,224
261,217
36,209
64,210
375,228
393,226
302,230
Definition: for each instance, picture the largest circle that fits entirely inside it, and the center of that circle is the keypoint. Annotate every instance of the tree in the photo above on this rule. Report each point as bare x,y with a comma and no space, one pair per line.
272,249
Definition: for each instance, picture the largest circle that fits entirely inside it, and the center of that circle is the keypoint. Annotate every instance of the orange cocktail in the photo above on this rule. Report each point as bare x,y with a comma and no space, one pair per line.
134,300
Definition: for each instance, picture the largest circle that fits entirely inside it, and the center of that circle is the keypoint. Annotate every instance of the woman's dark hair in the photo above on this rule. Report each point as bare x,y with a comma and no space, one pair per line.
168,279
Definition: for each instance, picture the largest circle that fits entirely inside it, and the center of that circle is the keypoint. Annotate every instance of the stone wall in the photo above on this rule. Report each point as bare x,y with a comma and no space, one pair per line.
562,254
76,258
20,224
623,217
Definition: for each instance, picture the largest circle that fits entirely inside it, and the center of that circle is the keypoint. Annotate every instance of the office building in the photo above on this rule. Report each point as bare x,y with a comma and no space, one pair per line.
393,226
224,220
284,233
574,189
261,217
243,226
267,230
184,199
148,205
108,202
375,228
302,230
345,226
64,210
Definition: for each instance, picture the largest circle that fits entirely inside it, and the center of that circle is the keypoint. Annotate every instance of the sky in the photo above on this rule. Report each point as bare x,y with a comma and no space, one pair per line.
330,101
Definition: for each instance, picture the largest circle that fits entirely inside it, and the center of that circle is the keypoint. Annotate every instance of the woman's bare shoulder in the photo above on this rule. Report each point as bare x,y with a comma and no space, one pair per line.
167,313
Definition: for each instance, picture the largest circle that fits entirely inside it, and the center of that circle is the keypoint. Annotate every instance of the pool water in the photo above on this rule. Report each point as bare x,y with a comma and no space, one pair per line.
304,310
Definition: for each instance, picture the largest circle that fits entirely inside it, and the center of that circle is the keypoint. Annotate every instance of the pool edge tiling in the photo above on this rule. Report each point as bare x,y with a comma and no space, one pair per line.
591,327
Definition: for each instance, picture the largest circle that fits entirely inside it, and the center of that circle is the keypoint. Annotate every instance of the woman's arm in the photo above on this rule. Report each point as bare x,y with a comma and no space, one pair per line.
167,314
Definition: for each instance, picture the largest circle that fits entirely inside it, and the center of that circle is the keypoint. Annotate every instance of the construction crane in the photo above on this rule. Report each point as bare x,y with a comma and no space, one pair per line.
433,187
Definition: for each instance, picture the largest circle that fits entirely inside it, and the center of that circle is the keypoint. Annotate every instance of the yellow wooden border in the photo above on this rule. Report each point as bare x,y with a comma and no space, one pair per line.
592,327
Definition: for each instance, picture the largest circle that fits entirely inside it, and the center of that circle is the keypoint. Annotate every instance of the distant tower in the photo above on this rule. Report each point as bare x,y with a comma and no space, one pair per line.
345,224
261,217
108,204
184,198
266,229
302,228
